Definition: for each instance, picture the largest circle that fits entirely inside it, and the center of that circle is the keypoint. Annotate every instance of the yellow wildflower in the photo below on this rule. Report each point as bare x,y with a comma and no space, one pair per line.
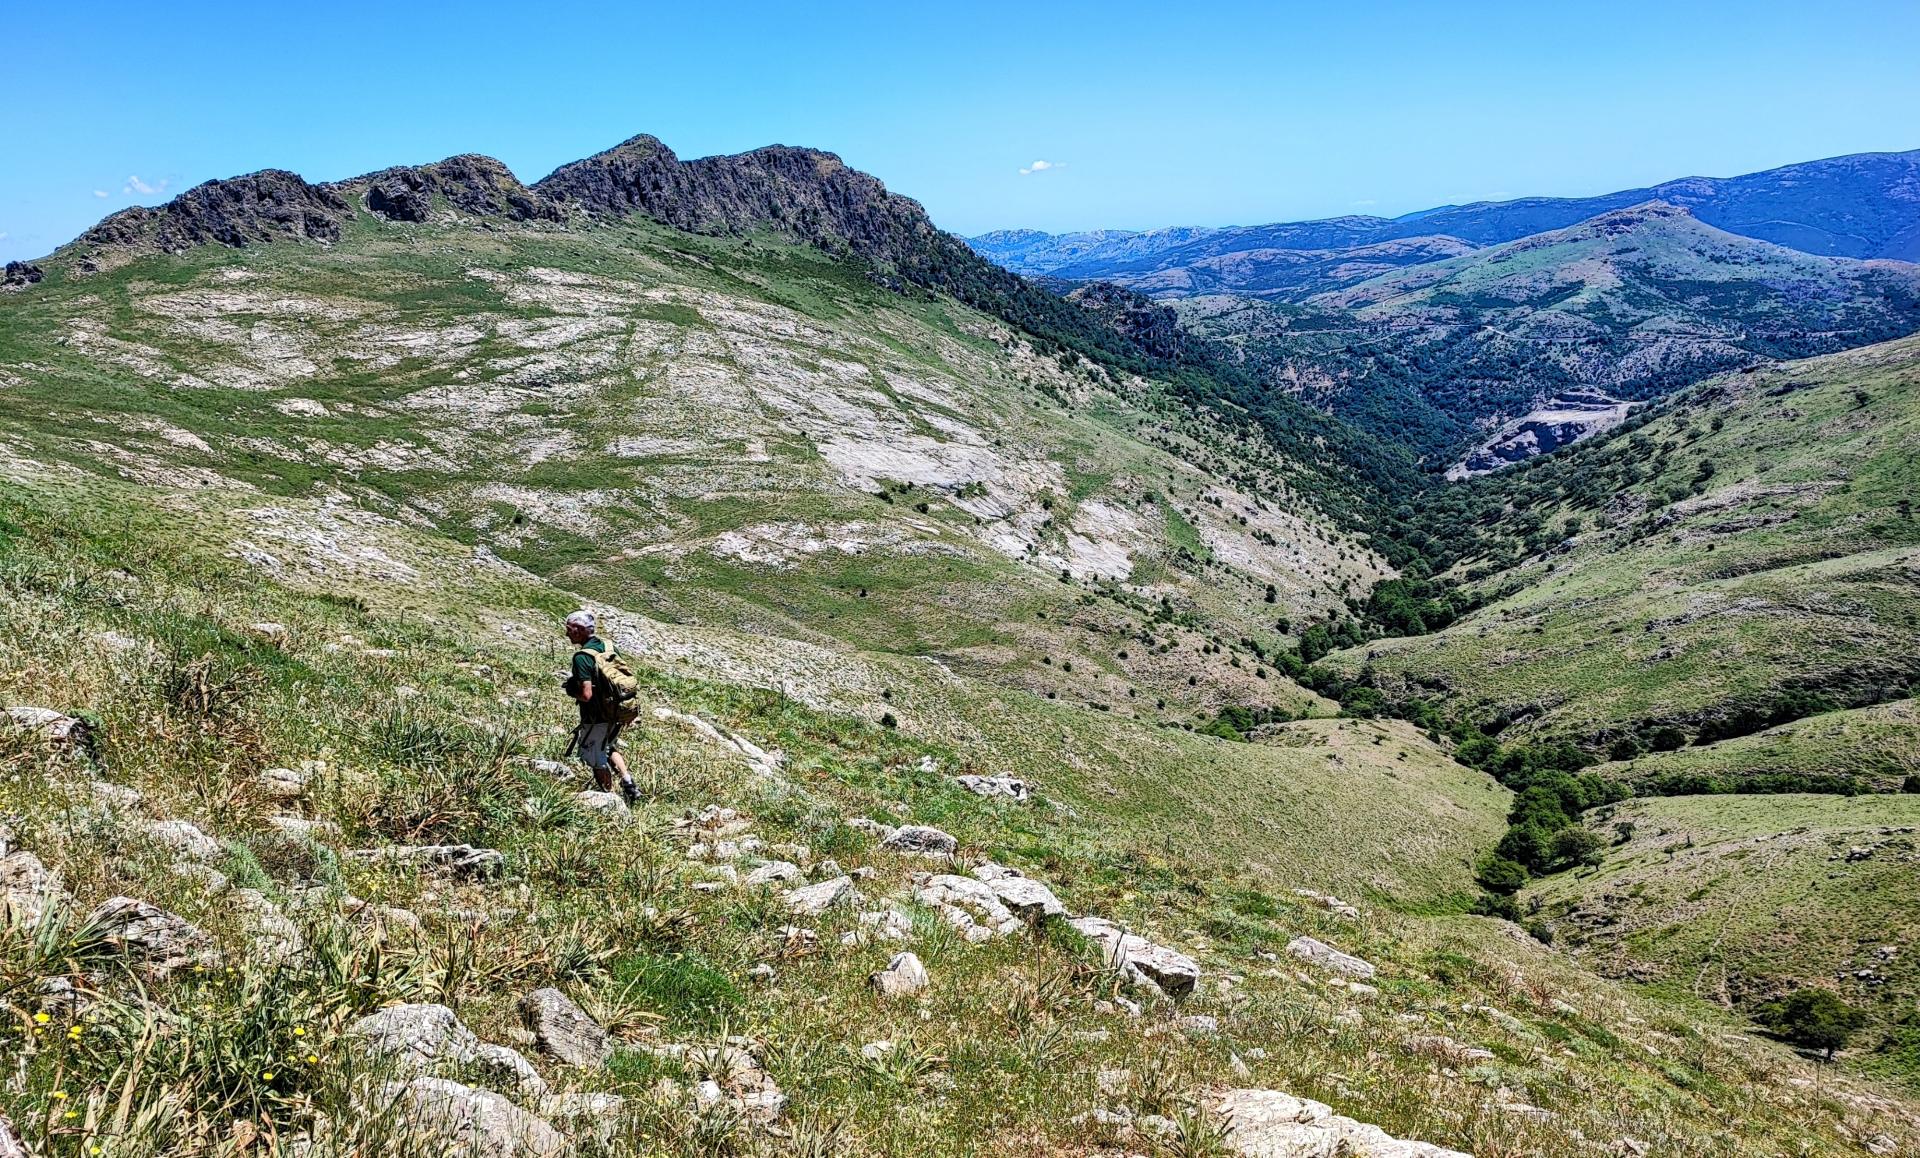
42,1018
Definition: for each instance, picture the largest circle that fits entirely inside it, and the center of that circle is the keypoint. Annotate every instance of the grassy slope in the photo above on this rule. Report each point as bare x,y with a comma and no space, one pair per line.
1879,747
1793,565
190,702
1737,899
719,416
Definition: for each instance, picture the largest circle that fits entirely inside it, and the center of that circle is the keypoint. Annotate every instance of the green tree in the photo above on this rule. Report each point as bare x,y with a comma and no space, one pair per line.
1813,1018
1576,845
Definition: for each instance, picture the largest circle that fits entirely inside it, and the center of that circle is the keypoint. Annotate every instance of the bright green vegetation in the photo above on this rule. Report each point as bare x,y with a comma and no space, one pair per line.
1873,749
190,701
1745,556
1738,900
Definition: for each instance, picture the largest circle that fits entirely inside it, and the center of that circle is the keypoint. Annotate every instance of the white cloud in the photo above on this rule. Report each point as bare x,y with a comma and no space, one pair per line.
136,185
1040,167
99,192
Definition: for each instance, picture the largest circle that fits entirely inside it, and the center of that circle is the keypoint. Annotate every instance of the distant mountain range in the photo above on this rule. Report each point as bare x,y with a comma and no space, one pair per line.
1862,206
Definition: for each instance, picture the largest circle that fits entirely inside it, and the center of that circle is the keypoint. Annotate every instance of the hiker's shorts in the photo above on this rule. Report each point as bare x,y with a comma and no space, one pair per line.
597,743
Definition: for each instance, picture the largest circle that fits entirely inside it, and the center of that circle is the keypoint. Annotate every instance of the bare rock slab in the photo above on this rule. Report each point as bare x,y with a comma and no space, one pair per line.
1270,1124
903,977
562,1030
1172,973
416,1038
461,860
1327,957
813,900
920,840
449,1118
150,935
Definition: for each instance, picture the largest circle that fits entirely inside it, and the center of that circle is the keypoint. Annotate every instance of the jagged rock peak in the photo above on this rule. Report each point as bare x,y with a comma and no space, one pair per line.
270,205
471,183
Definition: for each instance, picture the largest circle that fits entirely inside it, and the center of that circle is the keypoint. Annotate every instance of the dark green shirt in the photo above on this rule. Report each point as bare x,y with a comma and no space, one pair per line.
583,670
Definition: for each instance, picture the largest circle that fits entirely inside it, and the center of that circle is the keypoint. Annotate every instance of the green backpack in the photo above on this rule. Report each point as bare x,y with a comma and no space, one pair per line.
616,690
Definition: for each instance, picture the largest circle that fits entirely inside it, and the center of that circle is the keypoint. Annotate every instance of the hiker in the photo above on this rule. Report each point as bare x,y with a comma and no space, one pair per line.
605,688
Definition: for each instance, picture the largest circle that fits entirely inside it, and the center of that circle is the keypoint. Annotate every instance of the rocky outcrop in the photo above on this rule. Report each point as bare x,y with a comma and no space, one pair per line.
814,900
461,860
1327,957
920,840
47,725
416,1038
149,935
10,1144
1137,318
1560,422
446,1117
18,275
562,1030
903,977
271,205
470,184
1145,964
1270,1124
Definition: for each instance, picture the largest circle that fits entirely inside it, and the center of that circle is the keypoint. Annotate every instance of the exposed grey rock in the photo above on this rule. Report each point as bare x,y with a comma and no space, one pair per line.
558,769
774,871
416,1038
604,805
563,1030
150,935
269,205
471,184
1327,957
457,1121
207,877
963,899
275,938
462,860
1143,962
182,839
1011,787
505,1070
813,900
47,725
14,277
300,828
872,828
902,977
28,888
1028,899
1200,1025
920,840
283,785
1270,1124
115,797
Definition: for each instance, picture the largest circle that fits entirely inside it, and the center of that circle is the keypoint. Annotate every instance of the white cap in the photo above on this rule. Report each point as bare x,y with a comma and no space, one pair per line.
581,618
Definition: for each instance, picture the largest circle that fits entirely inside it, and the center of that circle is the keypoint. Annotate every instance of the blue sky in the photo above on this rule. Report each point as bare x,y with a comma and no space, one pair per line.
1149,114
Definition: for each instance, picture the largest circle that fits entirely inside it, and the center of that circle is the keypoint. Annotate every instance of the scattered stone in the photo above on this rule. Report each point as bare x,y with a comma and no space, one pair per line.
1028,899
775,871
887,924
1327,957
1444,1049
462,860
1010,787
875,1050
902,977
468,1122
273,631
1200,1025
158,939
920,840
283,785
28,889
558,769
1270,1124
604,805
963,899
813,900
48,726
505,1069
872,828
563,1030
798,853
300,828
762,973
1140,960
416,1038
182,839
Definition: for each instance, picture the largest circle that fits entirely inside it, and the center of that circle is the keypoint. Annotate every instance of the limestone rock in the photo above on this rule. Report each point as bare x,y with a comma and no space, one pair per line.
920,840
603,805
902,977
182,839
275,938
47,725
813,900
1270,1124
457,1120
282,785
28,888
506,1070
151,935
1327,957
416,1038
962,900
872,828
1028,899
301,828
1172,973
462,860
1011,787
563,1030
774,871
588,1116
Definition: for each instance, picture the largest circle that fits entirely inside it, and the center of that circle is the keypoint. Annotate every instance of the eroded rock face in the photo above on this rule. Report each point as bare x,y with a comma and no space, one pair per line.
18,275
1011,787
1270,1124
1327,957
28,888
563,1030
449,1118
920,840
462,860
150,935
1027,899
270,205
415,1038
1144,963
47,724
903,977
472,184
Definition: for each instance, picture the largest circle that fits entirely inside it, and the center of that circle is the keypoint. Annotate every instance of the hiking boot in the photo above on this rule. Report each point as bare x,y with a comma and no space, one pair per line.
629,793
